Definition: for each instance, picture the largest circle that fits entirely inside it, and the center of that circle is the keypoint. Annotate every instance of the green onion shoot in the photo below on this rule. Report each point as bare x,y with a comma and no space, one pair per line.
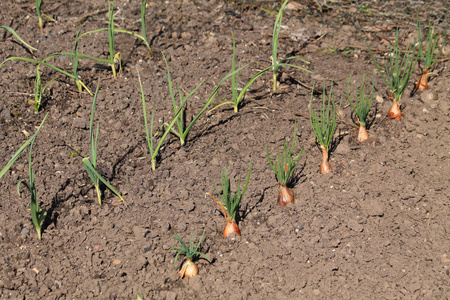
284,167
396,74
323,122
230,201
189,268
361,106
38,215
91,163
429,57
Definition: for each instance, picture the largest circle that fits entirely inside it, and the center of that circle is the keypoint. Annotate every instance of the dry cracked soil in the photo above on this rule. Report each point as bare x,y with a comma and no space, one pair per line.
376,227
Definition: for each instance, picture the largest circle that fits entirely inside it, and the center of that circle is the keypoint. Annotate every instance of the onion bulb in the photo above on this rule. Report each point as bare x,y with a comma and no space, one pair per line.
422,83
189,269
230,228
285,196
362,134
394,112
325,166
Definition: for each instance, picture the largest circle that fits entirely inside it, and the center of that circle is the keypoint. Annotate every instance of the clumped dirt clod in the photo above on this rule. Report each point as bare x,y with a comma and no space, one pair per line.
376,227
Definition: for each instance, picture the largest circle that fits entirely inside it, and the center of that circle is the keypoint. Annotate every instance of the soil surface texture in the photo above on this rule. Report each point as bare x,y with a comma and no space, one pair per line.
376,227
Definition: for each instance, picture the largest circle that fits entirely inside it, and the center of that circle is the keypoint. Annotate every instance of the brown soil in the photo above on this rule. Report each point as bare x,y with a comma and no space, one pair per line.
376,227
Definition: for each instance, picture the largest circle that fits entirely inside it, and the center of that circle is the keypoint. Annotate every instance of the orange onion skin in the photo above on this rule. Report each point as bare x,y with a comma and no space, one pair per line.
230,228
285,196
394,112
325,166
189,269
362,134
422,84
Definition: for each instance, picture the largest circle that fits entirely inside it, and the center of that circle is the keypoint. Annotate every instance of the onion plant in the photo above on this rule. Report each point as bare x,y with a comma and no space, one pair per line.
114,58
90,163
192,253
429,57
44,63
275,63
231,201
150,135
239,96
284,167
361,106
183,130
31,48
323,122
39,90
396,74
17,154
38,215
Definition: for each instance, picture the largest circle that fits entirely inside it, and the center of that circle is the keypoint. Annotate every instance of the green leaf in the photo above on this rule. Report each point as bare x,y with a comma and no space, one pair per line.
89,166
18,37
17,154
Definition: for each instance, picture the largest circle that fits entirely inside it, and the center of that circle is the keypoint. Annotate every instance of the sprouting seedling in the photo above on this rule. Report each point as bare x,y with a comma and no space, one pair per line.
44,63
91,163
144,32
239,96
39,90
18,37
149,133
183,131
231,201
192,253
40,14
284,167
323,122
114,58
17,154
396,74
74,57
276,32
361,106
38,215
429,57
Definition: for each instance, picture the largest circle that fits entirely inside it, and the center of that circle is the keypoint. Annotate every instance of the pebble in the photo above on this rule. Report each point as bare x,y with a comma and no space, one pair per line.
24,231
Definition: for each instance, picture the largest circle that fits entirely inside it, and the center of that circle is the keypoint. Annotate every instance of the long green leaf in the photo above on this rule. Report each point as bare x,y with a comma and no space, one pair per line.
17,154
18,37
92,170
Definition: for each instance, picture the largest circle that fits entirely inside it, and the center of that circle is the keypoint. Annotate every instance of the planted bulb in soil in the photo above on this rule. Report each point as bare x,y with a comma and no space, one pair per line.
189,269
362,134
285,196
325,166
422,84
394,112
230,228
